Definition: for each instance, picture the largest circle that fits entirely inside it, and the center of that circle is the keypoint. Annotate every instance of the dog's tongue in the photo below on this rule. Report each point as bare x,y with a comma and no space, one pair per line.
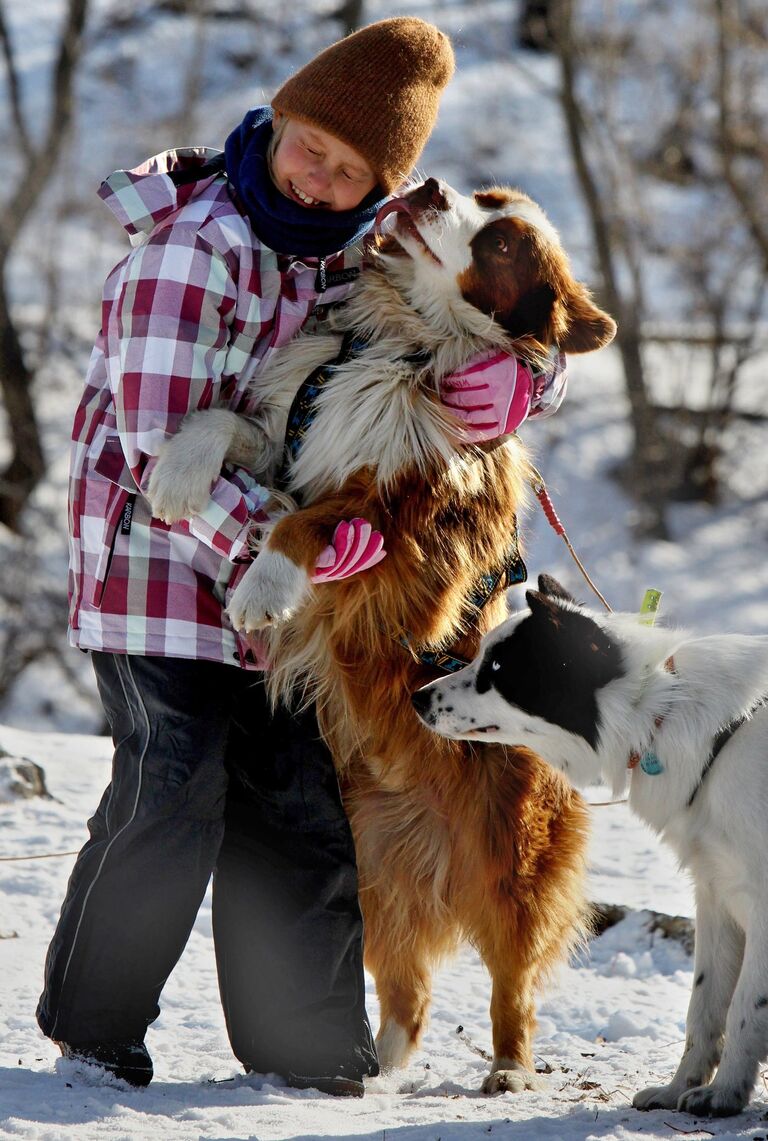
394,206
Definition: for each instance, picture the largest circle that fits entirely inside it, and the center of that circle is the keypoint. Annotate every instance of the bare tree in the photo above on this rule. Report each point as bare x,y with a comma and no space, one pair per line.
185,121
37,164
675,197
742,41
623,292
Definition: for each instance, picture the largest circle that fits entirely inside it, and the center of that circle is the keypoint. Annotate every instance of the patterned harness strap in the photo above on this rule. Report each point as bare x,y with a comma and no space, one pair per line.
301,416
304,407
512,571
719,743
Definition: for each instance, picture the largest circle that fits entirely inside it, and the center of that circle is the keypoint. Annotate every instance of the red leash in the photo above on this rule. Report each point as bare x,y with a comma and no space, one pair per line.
543,496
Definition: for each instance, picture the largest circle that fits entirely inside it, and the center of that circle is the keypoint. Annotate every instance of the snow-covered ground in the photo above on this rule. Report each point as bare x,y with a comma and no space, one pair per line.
609,1024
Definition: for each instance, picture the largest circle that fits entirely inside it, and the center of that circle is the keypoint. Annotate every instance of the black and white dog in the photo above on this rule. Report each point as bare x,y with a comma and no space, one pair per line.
684,722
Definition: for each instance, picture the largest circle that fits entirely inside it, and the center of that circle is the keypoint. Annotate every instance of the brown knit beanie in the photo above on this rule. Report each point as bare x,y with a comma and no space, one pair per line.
377,91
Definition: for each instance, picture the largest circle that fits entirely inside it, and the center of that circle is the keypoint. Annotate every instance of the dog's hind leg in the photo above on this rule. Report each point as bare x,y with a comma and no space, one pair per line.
717,960
403,977
513,1017
746,1032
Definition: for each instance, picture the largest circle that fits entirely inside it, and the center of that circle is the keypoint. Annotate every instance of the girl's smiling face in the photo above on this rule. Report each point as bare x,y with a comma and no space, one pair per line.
317,170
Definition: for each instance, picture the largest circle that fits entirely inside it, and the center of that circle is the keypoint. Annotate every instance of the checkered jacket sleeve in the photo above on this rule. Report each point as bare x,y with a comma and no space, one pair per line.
169,335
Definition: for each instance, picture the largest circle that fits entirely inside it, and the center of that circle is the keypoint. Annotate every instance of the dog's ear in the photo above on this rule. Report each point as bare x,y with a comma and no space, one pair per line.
589,328
544,606
580,642
550,586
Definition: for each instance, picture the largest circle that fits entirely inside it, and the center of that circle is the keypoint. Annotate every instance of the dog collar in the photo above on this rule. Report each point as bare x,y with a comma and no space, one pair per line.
651,765
648,760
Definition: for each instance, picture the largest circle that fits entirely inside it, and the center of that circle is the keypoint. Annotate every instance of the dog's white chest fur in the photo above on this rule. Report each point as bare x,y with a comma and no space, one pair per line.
375,411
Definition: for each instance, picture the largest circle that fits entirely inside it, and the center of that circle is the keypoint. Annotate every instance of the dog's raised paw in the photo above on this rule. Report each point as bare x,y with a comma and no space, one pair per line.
189,463
268,594
178,488
712,1101
172,504
513,1081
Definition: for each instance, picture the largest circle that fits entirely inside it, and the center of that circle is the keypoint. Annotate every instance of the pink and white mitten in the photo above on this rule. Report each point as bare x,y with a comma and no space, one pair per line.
497,391
355,547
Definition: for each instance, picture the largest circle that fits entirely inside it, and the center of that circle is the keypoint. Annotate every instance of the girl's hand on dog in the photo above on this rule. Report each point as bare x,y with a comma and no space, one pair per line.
355,547
496,392
491,396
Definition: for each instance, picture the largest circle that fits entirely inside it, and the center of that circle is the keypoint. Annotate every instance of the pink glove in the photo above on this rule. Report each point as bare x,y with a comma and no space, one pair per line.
355,547
496,392
491,396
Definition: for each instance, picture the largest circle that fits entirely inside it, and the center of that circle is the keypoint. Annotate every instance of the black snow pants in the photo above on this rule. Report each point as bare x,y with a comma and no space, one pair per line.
206,778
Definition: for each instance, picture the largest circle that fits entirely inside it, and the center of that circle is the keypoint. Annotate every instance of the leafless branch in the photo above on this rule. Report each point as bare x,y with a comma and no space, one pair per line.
727,23
27,464
647,461
14,88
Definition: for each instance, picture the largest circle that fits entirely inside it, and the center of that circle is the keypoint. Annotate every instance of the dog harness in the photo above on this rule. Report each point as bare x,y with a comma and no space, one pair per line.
719,743
652,766
304,407
300,418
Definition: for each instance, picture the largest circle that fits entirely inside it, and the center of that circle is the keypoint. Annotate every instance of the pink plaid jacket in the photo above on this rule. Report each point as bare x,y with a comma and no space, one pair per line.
187,318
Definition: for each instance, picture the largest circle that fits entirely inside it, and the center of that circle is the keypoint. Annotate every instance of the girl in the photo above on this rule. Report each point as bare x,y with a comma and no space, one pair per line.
226,270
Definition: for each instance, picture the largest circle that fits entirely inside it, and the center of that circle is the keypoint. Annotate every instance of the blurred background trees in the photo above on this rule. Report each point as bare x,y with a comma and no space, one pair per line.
36,153
646,105
663,109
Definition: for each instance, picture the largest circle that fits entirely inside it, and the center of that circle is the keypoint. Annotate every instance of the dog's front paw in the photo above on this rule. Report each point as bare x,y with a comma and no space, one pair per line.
513,1080
657,1097
269,593
713,1101
180,484
190,462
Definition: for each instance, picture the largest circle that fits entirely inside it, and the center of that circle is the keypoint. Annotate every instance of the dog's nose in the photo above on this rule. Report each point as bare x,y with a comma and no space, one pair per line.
421,701
429,194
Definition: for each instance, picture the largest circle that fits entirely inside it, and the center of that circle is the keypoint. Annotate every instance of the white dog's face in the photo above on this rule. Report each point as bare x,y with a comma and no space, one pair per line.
498,255
535,683
465,706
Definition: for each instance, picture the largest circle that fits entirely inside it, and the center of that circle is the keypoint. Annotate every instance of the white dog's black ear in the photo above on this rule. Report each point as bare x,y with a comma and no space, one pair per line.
544,606
550,586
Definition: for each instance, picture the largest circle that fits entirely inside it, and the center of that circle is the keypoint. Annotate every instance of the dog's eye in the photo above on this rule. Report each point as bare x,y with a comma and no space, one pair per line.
501,243
495,666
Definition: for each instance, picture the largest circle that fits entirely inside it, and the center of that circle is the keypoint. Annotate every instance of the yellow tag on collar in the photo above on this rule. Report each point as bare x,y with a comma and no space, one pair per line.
650,606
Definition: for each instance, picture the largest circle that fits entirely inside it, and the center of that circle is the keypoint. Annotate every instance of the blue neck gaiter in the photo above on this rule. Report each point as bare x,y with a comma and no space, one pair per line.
278,222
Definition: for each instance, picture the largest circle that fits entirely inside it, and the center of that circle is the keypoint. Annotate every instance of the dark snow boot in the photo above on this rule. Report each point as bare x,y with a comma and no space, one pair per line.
127,1060
344,1083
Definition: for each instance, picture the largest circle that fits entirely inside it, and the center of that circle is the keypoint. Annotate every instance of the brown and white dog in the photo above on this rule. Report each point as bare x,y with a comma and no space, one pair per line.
453,841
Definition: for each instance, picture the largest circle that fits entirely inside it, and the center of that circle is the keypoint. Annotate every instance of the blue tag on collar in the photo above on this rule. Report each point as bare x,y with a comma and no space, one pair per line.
651,764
